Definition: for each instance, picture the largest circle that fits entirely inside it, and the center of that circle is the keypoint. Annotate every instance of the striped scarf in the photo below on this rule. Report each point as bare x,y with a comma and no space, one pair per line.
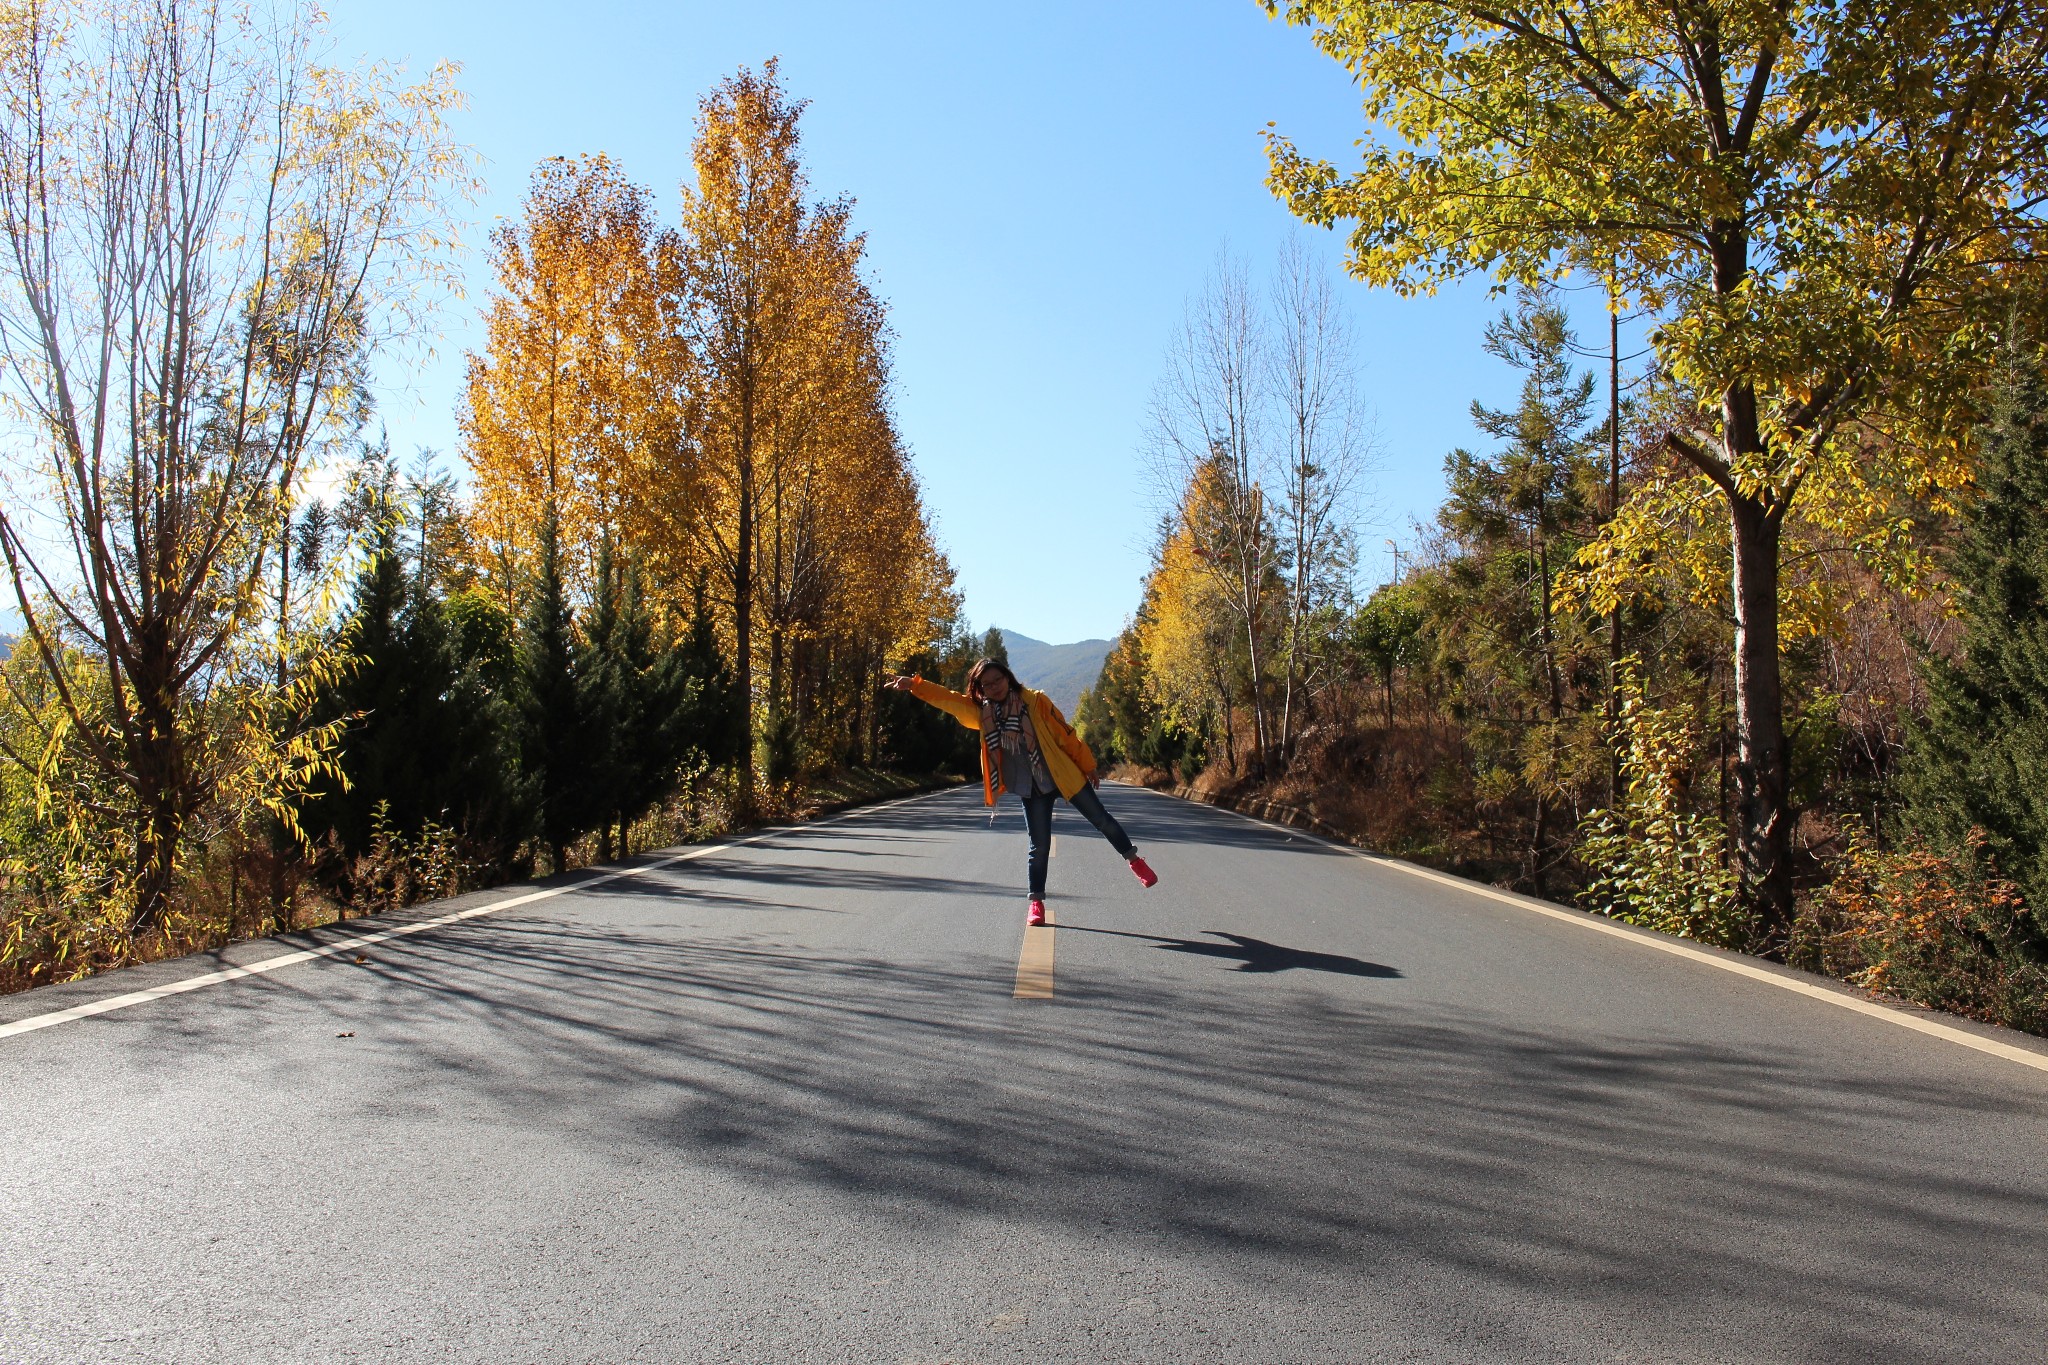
1003,729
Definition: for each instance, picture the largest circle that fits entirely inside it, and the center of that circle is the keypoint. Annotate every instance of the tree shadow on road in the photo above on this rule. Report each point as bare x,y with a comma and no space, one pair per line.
1310,1139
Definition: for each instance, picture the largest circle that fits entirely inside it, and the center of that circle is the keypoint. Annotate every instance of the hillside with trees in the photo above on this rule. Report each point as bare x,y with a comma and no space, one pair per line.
1736,644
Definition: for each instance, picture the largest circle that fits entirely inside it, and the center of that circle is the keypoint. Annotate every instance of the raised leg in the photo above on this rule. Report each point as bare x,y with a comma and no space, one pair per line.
1090,806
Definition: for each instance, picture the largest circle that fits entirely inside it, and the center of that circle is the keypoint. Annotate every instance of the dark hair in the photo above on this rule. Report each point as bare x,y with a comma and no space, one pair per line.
982,666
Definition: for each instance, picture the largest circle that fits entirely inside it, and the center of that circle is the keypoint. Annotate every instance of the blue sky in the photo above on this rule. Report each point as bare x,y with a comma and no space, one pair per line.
1042,187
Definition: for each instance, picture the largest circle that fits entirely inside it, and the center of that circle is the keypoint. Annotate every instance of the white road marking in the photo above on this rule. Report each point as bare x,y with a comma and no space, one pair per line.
1676,948
271,964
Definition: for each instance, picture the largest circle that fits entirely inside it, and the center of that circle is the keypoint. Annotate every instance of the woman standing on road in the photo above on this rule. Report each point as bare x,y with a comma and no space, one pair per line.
1028,748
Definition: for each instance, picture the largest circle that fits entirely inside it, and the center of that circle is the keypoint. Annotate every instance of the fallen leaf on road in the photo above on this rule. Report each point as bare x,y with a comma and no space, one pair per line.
345,1035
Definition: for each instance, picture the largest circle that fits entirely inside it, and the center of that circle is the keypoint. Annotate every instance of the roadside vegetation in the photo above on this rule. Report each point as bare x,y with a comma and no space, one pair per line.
267,671
1740,639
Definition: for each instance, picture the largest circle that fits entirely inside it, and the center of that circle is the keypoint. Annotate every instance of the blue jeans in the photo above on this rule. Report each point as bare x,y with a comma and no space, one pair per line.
1038,824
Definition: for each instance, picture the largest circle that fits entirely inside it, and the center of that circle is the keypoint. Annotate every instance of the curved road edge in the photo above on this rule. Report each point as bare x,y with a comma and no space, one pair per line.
2008,1044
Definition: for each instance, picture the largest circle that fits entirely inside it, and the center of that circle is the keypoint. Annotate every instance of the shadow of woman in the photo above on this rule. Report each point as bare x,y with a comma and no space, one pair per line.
1252,954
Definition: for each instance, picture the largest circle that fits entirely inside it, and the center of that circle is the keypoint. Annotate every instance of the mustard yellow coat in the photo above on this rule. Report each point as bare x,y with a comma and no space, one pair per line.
1067,759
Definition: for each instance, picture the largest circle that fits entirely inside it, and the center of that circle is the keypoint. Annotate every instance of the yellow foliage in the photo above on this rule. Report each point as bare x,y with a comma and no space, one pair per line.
575,381
713,399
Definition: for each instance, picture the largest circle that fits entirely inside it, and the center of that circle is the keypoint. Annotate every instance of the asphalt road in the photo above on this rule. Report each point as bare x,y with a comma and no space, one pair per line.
780,1104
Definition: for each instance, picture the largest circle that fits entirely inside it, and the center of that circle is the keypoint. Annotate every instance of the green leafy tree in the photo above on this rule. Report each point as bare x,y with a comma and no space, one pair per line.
1655,862
1096,726
486,638
1978,761
1823,205
1385,635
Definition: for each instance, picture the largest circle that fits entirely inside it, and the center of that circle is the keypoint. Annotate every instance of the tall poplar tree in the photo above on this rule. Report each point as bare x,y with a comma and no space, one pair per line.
738,275
571,394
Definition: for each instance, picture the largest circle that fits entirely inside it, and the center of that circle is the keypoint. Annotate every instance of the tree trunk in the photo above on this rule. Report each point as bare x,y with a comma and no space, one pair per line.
743,635
1298,606
1556,727
156,858
1261,739
157,759
1614,778
1221,678
284,581
1762,765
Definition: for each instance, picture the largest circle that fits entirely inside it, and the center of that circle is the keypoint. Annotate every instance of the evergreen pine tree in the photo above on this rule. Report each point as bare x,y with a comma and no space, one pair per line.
421,747
657,703
1979,761
498,810
919,738
1517,517
993,647
714,715
605,683
375,755
552,731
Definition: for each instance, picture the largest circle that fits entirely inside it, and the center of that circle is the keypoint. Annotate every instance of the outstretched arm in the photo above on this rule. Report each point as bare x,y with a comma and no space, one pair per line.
954,704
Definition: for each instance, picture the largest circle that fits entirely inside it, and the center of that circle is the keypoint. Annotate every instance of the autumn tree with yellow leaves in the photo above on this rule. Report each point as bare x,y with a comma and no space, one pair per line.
575,392
207,233
797,495
712,401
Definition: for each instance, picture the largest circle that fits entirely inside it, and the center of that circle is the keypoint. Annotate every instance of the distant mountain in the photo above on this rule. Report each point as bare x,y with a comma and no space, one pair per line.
1059,671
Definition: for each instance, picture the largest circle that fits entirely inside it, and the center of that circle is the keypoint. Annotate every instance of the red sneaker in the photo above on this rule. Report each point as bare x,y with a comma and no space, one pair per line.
1036,915
1144,873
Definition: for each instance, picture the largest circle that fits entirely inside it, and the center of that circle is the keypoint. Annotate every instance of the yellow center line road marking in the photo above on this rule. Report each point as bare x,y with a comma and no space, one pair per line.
1034,963
1677,948
349,945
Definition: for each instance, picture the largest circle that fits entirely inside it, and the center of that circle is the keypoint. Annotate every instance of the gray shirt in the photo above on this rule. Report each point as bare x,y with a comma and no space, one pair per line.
1024,773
